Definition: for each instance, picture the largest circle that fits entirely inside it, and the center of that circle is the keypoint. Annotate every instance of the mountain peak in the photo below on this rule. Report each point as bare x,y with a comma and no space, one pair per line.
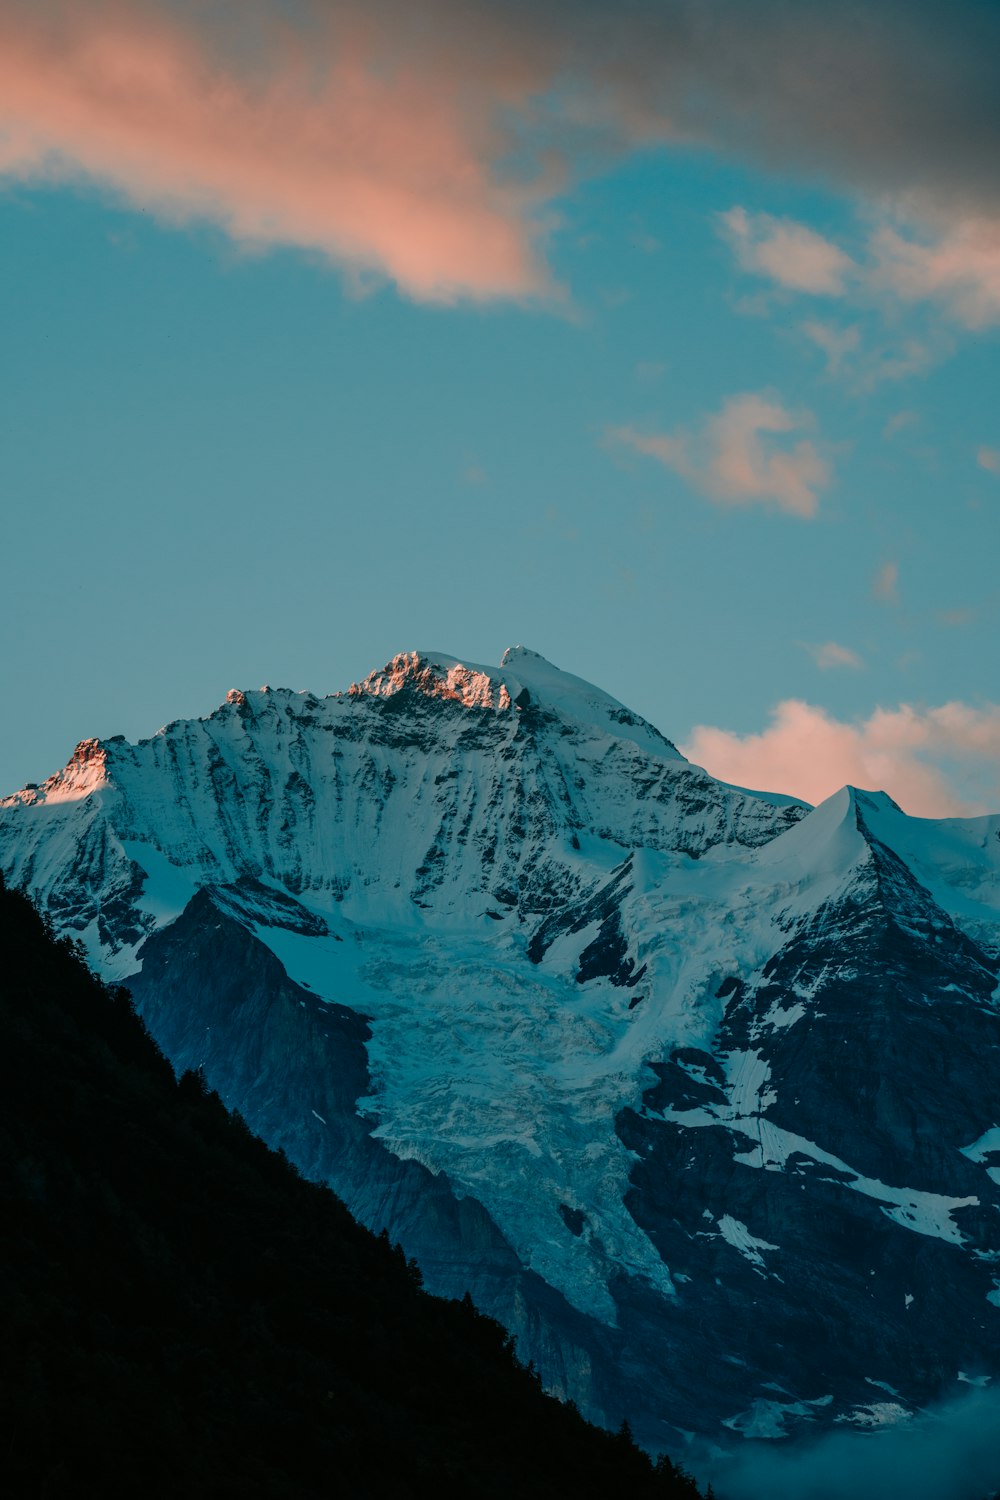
86,772
525,671
515,654
873,801
524,678
437,676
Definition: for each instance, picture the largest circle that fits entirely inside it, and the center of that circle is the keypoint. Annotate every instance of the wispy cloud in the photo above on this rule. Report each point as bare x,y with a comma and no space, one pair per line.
955,269
864,365
885,584
838,344
897,422
912,356
958,268
808,753
989,459
954,619
647,243
790,253
732,459
831,654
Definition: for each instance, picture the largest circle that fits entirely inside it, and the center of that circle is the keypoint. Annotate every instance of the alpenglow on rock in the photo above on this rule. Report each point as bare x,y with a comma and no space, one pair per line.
695,1088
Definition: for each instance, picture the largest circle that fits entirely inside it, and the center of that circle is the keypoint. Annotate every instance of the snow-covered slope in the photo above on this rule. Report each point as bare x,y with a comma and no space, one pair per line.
650,1062
428,780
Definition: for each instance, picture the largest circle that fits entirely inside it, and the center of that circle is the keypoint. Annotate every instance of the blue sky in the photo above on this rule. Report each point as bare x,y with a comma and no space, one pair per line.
710,420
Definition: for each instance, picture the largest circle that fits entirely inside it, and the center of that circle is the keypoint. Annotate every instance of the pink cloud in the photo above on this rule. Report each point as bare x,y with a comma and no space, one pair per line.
959,268
989,459
731,460
807,753
956,267
419,141
790,253
320,139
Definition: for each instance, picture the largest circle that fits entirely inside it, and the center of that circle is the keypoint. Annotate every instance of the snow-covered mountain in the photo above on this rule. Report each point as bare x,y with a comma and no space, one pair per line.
696,1088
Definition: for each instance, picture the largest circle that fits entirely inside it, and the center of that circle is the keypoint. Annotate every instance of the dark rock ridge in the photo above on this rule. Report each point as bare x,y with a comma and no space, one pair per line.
895,1068
694,1088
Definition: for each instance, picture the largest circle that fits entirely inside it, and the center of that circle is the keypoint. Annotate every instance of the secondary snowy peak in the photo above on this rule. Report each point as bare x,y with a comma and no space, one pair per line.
952,864
861,844
956,859
826,841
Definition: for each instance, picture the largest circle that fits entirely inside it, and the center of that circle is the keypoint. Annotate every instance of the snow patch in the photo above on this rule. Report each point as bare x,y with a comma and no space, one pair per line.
987,1144
745,1115
739,1236
766,1419
877,1414
167,888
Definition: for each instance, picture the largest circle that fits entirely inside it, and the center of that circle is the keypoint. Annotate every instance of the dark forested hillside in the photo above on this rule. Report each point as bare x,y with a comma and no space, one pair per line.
186,1316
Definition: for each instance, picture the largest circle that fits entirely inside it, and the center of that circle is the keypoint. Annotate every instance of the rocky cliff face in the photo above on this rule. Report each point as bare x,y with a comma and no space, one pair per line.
693,1087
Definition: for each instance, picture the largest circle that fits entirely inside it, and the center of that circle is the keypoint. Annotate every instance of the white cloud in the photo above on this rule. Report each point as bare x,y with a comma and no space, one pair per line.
807,753
732,460
788,252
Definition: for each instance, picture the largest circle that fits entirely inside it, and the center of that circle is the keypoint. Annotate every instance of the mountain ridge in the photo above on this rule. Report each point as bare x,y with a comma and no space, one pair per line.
574,952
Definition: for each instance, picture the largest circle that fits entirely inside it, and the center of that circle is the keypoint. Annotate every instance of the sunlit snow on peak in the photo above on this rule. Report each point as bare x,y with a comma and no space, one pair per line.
85,773
524,679
436,676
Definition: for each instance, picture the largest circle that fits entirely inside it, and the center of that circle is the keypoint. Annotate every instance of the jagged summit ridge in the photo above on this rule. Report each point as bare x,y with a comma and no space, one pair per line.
431,790
437,676
523,679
